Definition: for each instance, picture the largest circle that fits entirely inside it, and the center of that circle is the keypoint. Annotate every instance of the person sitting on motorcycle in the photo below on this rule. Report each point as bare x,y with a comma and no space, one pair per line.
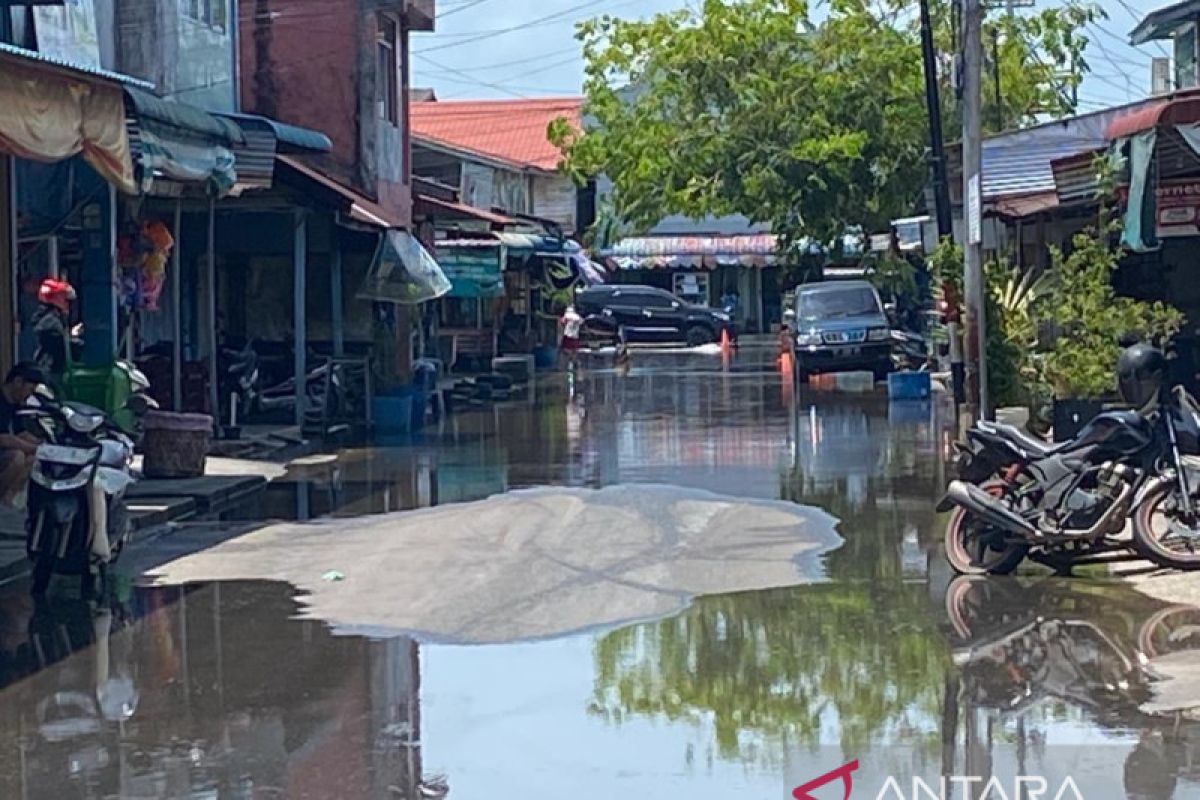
17,446
52,324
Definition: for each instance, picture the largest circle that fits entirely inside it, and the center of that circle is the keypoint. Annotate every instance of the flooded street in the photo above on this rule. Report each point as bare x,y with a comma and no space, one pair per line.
781,659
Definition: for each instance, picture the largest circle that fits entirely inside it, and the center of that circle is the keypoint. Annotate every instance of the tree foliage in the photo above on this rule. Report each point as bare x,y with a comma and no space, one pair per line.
759,107
1090,318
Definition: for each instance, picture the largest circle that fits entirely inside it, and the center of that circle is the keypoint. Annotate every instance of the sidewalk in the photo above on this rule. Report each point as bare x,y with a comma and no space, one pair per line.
153,503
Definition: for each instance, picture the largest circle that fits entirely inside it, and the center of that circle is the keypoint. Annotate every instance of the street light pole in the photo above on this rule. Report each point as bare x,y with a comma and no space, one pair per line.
973,281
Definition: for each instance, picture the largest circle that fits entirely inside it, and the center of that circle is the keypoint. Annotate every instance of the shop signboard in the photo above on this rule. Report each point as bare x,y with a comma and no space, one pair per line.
1177,208
473,271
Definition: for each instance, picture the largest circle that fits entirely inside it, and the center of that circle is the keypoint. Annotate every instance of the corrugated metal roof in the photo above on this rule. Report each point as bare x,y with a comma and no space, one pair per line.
513,131
460,210
1023,206
84,70
358,206
1018,162
255,159
1075,177
290,138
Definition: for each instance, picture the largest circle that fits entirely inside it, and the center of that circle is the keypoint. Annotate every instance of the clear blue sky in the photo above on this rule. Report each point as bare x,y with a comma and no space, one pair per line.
526,48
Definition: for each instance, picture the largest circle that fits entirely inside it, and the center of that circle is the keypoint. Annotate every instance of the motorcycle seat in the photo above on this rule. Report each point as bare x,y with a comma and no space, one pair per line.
1022,439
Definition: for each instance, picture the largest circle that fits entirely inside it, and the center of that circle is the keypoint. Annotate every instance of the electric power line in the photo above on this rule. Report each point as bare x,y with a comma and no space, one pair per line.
463,7
530,60
522,26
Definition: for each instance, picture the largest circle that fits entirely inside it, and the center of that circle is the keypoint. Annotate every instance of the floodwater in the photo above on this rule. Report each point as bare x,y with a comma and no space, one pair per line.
221,690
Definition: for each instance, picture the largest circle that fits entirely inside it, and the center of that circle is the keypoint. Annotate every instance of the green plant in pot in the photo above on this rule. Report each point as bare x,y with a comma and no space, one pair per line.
1088,319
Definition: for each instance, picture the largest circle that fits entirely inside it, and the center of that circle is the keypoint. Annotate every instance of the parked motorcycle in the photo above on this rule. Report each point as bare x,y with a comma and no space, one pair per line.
129,417
1064,503
76,521
324,385
238,383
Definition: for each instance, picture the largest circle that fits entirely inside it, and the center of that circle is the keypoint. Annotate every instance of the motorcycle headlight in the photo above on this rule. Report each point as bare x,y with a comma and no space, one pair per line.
807,339
878,334
85,423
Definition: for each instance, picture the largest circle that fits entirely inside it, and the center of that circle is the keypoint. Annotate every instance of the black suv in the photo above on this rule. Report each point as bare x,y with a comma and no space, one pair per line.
649,315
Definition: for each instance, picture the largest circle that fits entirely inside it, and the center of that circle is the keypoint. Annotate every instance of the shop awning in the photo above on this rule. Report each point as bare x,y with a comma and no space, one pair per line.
356,206
1180,110
182,143
264,139
705,252
1023,206
563,262
288,138
436,206
403,272
54,110
531,243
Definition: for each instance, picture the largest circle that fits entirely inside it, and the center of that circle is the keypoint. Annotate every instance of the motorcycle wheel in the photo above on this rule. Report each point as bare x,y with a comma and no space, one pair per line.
975,548
1154,523
1174,629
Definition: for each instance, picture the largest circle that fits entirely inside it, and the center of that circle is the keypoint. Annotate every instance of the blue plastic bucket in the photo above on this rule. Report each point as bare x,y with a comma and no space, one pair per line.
909,385
393,413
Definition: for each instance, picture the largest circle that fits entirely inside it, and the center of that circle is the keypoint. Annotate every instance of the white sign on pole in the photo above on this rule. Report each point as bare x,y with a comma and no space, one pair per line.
974,212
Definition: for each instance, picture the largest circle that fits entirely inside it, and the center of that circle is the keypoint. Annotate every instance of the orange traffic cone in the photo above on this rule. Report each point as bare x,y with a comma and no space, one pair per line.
726,345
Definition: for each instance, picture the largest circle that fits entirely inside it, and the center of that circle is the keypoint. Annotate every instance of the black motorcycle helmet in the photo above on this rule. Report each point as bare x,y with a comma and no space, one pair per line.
1141,372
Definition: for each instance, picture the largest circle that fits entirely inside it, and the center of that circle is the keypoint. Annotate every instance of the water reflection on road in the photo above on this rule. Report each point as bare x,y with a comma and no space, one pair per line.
215,691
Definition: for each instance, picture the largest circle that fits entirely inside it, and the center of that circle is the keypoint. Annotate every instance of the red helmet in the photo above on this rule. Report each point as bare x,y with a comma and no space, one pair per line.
56,293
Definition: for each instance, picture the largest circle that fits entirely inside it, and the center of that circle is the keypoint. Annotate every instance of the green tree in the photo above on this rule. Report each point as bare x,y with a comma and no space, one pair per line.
758,107
1089,318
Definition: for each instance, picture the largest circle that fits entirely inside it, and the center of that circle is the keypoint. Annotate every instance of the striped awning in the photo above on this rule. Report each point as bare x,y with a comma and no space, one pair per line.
703,252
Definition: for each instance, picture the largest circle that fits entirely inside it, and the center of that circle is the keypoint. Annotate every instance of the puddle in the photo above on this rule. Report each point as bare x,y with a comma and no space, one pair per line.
224,689
526,564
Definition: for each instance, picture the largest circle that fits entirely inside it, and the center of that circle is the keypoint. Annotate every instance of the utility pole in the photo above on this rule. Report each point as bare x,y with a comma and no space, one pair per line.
937,152
973,282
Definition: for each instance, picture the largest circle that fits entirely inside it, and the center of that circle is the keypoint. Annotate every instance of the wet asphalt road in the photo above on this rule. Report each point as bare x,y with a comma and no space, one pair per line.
218,691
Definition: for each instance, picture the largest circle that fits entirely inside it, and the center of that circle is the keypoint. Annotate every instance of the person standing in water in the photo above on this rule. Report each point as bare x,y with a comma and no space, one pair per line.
572,329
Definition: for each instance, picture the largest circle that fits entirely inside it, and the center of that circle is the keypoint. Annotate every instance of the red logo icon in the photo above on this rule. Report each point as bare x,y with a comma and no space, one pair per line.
843,772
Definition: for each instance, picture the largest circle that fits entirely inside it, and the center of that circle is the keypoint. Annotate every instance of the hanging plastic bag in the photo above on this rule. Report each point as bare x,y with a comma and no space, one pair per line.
403,272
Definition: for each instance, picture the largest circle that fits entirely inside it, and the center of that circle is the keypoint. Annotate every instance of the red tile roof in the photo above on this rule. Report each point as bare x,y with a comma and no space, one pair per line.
508,130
